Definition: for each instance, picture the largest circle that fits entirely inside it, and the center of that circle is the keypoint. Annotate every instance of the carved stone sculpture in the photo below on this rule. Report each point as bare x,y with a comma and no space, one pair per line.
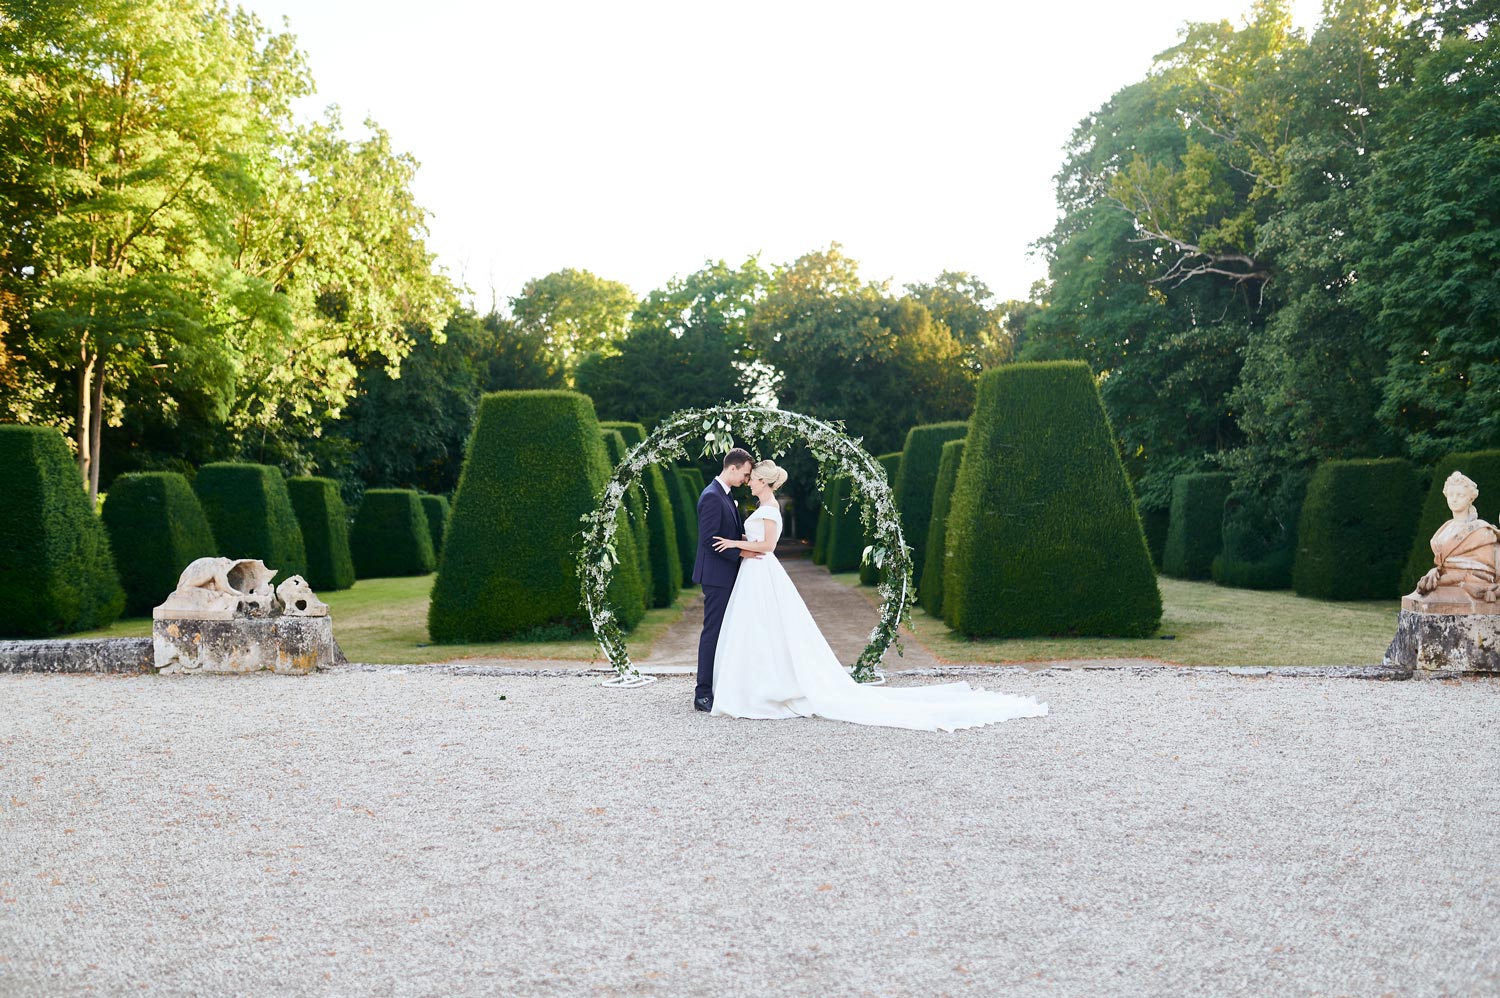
225,616
218,588
1466,559
297,599
1450,626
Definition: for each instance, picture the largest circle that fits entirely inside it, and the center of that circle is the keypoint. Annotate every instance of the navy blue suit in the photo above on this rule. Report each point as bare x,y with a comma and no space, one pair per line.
715,571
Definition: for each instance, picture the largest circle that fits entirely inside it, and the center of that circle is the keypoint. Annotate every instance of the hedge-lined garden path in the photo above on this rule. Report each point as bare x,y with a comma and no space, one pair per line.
844,614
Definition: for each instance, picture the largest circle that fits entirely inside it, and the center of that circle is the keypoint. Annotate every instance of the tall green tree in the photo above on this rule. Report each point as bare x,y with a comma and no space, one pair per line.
176,238
577,313
687,347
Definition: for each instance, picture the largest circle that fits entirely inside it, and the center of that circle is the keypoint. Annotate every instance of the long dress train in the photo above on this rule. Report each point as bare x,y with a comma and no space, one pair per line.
772,661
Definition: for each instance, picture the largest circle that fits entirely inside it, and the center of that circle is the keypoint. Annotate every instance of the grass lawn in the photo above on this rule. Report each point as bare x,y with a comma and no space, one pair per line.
1210,625
385,621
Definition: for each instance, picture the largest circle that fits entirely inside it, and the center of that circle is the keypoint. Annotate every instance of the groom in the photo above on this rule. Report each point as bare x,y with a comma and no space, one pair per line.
715,571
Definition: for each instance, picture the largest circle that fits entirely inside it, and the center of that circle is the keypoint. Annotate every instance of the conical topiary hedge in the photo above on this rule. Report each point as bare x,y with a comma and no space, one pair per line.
1356,529
846,534
1260,533
685,519
56,572
436,508
1043,535
869,575
1195,530
823,529
666,559
634,509
534,464
931,591
391,536
251,515
324,520
156,528
1483,468
916,483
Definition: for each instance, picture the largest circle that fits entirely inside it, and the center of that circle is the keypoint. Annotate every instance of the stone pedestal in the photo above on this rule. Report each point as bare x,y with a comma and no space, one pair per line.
1445,645
295,645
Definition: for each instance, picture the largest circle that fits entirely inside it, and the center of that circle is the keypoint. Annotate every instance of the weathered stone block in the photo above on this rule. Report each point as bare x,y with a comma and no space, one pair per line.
1444,645
295,645
120,655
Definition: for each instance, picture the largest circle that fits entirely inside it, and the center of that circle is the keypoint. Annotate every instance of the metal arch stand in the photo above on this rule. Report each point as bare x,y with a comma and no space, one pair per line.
628,682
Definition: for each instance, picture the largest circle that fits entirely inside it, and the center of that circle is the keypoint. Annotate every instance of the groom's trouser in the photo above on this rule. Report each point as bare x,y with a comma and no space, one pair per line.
715,599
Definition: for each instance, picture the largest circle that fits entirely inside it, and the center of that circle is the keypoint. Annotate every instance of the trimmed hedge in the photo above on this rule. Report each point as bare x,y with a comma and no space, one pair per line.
1355,532
821,531
391,536
666,559
916,482
634,510
696,482
931,593
1260,535
1043,535
1195,533
869,575
1483,466
56,571
846,534
686,524
325,532
534,463
1155,522
251,515
436,508
156,528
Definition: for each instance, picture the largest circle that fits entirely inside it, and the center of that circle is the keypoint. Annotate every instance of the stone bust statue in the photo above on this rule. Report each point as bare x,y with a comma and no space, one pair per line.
1465,554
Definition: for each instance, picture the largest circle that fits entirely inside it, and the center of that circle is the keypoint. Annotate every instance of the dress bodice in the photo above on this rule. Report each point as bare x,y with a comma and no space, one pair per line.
755,523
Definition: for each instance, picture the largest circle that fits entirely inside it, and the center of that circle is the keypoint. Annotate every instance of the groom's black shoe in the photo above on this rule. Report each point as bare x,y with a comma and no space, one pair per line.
705,704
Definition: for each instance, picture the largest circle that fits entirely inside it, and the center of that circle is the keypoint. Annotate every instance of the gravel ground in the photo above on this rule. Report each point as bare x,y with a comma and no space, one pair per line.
409,833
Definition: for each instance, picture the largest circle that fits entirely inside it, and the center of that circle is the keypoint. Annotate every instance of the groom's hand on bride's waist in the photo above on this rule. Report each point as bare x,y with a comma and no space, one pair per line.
751,554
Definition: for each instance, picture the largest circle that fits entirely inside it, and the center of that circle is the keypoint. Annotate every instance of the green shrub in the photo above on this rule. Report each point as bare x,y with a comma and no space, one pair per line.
1356,529
1260,534
821,531
533,466
156,528
56,571
634,509
1043,535
846,534
685,518
931,592
916,483
325,532
1483,467
666,559
1155,523
1196,531
391,536
869,575
251,515
436,508
696,482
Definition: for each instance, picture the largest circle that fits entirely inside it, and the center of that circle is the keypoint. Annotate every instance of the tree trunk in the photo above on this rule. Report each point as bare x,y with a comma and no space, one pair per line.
96,431
85,422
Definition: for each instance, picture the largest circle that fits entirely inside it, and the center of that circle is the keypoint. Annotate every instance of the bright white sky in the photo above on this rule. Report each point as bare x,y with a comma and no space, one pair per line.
639,139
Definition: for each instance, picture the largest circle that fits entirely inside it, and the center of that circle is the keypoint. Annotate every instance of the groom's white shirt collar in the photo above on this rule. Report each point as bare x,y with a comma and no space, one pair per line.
721,484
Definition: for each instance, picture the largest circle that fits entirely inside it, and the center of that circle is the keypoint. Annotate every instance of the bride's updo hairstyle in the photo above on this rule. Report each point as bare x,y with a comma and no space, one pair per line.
769,472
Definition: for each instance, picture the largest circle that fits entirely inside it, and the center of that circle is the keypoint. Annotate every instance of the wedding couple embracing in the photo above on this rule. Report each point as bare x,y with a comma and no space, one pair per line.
761,654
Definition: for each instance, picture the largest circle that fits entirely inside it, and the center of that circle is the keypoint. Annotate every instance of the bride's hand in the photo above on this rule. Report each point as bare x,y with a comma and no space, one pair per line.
724,544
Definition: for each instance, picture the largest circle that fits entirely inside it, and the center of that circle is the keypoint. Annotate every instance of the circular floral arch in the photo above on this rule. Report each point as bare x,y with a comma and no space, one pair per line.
772,431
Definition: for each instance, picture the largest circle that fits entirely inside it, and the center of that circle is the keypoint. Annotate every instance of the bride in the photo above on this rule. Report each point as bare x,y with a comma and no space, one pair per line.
772,661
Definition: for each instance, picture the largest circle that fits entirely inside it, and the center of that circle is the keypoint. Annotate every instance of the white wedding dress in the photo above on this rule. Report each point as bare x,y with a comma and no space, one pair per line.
772,661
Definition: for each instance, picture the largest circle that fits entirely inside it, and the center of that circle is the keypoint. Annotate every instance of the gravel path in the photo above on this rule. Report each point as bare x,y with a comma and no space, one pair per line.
410,833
